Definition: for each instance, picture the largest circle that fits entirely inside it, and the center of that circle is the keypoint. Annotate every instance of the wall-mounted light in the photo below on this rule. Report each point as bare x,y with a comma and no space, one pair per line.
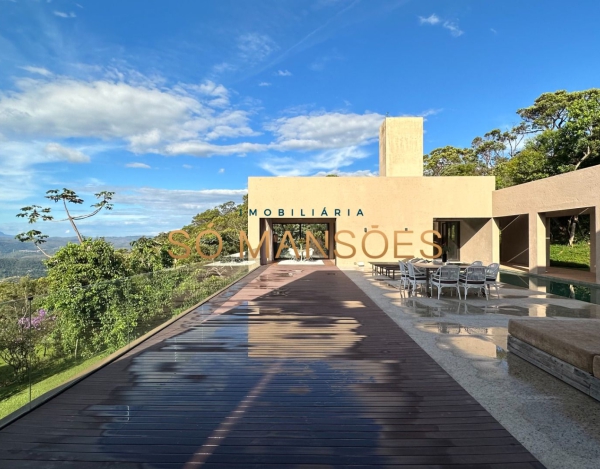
365,230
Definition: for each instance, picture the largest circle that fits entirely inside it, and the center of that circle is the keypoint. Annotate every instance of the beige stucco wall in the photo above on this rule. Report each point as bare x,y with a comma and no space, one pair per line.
401,147
390,203
476,233
515,240
577,189
549,197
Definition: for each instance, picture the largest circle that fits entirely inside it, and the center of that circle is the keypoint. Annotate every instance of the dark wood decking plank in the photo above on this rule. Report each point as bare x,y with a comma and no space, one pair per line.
289,370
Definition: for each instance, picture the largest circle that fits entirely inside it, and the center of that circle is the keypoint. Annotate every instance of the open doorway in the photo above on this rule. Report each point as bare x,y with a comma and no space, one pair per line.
323,230
298,232
450,240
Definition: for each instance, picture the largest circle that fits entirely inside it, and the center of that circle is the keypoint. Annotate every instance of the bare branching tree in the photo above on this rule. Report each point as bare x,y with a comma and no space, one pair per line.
35,213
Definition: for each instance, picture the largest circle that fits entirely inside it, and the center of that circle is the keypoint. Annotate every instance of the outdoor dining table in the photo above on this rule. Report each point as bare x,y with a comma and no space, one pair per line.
429,266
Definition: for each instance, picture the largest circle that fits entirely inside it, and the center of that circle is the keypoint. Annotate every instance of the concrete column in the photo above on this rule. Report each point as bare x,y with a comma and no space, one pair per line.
595,241
538,239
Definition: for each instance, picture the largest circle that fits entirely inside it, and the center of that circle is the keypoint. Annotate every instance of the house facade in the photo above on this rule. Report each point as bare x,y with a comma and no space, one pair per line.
402,213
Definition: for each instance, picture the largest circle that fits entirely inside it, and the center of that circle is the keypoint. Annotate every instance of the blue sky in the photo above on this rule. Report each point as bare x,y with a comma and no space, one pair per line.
173,105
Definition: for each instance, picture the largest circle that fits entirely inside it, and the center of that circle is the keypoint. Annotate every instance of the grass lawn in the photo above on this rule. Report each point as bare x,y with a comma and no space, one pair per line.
576,257
16,395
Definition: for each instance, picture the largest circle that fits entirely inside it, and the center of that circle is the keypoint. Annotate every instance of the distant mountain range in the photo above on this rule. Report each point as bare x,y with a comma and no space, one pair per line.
5,235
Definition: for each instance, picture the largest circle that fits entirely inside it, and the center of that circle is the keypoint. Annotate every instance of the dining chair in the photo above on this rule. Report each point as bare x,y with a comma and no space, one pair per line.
404,281
491,278
473,277
446,277
416,277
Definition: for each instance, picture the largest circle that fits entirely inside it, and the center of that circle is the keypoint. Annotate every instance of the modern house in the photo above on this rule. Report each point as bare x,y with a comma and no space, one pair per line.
394,215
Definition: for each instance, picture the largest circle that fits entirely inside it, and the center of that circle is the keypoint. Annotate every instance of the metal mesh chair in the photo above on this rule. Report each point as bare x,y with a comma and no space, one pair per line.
415,276
491,278
474,277
404,281
446,277
477,263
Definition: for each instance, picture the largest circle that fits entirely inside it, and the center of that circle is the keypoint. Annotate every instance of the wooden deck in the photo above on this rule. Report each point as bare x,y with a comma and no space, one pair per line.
294,367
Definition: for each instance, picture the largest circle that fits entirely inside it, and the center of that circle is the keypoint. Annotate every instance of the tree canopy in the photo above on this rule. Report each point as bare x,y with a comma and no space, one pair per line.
558,133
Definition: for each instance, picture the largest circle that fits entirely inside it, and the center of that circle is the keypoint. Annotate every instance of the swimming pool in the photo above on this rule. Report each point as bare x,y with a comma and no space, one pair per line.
564,288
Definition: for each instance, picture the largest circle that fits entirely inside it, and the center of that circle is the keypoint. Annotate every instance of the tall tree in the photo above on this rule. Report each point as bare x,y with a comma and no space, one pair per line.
35,212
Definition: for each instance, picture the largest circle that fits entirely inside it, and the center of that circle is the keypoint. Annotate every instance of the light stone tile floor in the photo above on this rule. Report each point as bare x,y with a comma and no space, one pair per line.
557,423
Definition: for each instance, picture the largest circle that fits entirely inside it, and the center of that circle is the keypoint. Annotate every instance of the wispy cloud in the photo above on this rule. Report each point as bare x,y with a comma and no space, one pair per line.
320,63
37,70
138,165
62,14
430,112
283,73
435,20
493,30
453,28
264,83
325,162
66,154
254,47
221,171
359,173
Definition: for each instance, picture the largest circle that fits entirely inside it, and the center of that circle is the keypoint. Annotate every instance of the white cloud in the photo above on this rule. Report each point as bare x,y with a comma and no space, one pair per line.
23,166
65,15
453,28
264,83
147,118
359,173
139,210
154,209
430,112
218,93
321,131
283,73
326,161
138,165
67,154
221,171
37,70
187,166
433,19
204,149
254,47
493,30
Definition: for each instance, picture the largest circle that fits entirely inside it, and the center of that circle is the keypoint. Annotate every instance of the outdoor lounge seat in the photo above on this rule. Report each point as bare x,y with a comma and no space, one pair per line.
566,348
476,263
446,277
236,256
473,277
